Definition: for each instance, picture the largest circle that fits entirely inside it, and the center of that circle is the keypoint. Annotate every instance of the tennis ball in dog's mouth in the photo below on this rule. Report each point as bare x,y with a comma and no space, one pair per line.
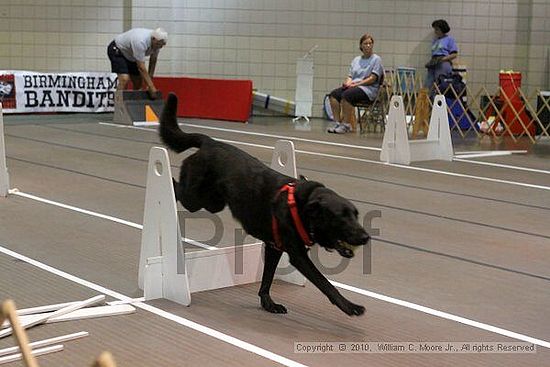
348,247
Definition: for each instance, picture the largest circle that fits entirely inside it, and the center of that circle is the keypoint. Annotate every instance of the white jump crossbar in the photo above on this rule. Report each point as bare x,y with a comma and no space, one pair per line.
82,314
35,353
46,342
396,147
4,177
38,319
45,308
166,270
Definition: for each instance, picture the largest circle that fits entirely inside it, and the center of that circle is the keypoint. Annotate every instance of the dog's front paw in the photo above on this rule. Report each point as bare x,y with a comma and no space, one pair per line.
356,310
351,309
270,306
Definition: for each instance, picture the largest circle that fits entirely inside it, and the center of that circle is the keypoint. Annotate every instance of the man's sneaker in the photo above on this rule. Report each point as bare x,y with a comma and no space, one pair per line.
331,129
342,128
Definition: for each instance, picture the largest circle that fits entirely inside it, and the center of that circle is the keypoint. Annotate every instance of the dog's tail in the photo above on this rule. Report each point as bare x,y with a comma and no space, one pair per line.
170,132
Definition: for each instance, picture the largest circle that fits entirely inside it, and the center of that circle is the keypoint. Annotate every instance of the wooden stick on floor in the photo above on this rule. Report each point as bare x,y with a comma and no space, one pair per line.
105,360
9,312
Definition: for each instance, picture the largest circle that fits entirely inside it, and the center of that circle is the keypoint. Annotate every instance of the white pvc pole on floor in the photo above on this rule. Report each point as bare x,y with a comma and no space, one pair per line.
4,178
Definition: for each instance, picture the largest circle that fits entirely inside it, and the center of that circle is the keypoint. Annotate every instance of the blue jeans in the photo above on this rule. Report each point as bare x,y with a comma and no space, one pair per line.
443,68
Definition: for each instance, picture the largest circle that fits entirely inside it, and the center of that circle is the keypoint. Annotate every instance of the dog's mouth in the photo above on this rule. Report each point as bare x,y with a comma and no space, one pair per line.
344,249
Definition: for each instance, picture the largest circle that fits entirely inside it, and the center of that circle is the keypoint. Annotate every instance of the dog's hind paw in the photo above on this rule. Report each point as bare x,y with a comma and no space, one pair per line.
277,308
270,306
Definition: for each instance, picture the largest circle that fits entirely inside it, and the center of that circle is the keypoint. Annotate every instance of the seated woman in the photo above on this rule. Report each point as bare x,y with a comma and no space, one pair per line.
361,86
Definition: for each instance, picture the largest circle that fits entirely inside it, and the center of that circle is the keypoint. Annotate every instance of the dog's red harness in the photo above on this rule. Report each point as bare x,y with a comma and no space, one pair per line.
290,188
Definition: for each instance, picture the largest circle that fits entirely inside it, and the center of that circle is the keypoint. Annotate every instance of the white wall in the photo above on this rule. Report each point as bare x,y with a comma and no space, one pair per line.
261,39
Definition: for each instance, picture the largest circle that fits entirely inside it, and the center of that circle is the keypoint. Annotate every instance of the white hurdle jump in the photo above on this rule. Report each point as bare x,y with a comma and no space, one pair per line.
4,177
284,161
396,147
166,270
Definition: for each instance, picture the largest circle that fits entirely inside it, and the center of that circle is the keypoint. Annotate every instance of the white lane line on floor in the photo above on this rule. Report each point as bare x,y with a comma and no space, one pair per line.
480,155
428,170
157,311
458,155
486,151
444,315
340,285
254,349
499,165
100,215
74,208
323,142
496,180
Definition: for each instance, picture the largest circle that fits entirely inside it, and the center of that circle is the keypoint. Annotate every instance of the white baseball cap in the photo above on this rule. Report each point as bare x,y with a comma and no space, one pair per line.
160,34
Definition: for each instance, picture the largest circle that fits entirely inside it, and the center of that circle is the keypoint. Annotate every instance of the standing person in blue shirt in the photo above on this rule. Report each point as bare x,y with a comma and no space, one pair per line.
361,86
127,53
444,51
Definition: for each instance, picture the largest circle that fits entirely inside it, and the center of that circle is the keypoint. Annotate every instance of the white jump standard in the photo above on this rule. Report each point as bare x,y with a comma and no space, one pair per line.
166,270
4,177
396,147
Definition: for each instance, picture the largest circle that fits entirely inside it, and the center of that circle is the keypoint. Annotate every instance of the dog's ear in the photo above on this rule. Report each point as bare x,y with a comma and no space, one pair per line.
312,209
304,190
303,178
307,198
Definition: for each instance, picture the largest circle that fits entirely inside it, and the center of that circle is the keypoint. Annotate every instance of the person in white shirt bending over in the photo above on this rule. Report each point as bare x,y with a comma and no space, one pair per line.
127,53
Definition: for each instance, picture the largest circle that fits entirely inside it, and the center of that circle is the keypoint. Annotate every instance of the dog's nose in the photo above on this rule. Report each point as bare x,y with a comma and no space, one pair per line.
365,238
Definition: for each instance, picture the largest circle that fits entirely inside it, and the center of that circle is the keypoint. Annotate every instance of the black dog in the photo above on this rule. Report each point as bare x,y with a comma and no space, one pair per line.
219,174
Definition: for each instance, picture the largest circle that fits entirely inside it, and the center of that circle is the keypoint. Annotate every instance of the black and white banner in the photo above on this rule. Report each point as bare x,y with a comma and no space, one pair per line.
27,91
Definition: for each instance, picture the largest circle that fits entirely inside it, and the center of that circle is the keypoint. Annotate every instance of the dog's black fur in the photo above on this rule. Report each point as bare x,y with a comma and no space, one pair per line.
220,174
